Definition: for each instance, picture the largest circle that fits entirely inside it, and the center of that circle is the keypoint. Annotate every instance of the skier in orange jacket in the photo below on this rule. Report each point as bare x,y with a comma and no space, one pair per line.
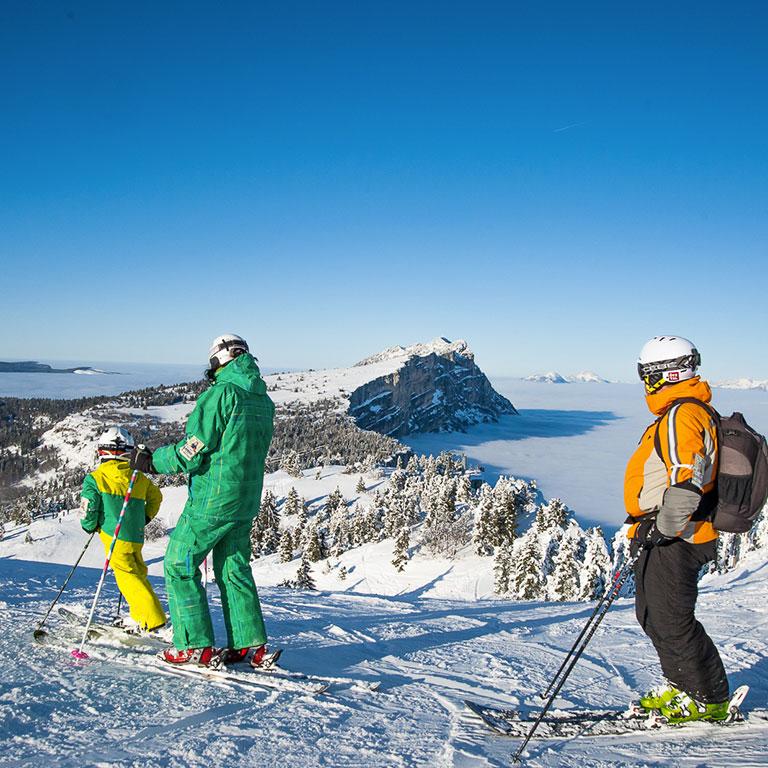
669,491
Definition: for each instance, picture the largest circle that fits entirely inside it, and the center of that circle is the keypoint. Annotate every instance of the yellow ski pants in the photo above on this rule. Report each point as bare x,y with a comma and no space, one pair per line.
131,576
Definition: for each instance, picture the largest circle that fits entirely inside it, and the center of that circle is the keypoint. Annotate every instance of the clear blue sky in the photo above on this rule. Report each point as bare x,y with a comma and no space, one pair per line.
554,182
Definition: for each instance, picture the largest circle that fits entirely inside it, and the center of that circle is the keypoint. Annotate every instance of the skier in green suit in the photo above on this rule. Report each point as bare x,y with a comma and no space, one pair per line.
223,452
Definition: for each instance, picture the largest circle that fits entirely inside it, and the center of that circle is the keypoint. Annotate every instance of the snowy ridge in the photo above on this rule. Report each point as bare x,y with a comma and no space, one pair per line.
440,346
553,377
744,383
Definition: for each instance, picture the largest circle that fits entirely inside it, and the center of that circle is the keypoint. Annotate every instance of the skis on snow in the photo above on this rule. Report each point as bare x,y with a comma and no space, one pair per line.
610,722
268,676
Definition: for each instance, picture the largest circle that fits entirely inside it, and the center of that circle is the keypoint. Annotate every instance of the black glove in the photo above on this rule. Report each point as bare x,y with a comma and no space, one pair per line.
650,536
141,459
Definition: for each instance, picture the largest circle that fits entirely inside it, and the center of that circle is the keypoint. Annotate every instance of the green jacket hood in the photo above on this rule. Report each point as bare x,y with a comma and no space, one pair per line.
244,373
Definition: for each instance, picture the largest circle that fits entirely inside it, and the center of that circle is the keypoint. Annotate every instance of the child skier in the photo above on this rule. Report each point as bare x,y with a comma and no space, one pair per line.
102,495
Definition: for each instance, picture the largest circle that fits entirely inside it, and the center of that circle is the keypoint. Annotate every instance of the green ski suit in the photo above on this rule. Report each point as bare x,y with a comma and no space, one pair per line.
226,443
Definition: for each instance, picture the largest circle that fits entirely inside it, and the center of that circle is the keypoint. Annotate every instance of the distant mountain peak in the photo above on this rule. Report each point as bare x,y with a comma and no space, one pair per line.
439,346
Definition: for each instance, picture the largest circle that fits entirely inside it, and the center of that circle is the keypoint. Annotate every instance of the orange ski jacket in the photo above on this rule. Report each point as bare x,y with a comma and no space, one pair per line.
670,474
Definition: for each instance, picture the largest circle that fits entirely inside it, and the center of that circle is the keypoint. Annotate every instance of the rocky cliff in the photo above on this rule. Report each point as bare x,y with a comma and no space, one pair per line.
434,387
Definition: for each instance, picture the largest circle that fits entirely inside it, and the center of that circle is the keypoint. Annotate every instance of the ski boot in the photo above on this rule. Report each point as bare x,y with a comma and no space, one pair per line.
257,656
684,709
202,657
658,696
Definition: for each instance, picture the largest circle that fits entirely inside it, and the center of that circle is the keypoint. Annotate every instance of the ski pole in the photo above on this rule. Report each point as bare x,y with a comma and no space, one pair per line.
583,632
78,653
119,604
618,584
39,632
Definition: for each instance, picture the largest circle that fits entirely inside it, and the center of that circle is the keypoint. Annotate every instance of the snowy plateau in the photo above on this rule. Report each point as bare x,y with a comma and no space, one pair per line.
433,634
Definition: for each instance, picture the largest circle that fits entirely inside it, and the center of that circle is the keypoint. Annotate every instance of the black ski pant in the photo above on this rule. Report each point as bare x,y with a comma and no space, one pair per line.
666,581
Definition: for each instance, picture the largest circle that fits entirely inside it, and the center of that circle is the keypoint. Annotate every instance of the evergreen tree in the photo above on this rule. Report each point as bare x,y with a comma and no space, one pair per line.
526,576
314,549
563,583
360,487
290,463
503,569
402,542
304,578
485,529
596,573
292,503
286,546
343,573
551,515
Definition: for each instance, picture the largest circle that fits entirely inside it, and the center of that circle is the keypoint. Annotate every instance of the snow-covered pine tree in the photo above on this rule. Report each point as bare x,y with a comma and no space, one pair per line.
292,503
527,582
286,546
402,542
304,578
484,532
503,569
563,582
551,515
360,487
595,573
301,526
314,548
290,463
334,501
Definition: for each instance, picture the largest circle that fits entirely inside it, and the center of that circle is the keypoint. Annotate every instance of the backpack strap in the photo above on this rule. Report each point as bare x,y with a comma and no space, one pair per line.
709,499
706,406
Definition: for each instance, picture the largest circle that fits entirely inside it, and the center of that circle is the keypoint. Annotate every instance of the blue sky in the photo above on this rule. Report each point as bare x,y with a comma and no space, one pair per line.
554,182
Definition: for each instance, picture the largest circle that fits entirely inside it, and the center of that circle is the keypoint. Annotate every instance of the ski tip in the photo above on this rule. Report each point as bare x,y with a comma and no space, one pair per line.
79,655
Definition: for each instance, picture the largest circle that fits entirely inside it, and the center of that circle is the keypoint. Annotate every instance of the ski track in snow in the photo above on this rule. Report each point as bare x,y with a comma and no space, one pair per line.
430,655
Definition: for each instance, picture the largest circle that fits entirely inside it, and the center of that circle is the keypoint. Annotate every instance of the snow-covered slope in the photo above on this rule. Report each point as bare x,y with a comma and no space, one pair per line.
429,655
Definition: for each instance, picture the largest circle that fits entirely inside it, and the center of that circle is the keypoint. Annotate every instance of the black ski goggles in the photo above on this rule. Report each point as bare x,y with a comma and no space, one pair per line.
652,374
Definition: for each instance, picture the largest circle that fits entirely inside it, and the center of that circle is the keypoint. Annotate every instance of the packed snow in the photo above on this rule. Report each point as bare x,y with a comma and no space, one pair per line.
434,634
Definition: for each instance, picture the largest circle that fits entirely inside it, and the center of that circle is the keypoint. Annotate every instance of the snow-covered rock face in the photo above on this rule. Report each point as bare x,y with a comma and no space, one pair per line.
434,387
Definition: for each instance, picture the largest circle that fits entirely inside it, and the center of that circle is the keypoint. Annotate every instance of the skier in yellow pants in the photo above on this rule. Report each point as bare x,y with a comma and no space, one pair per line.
102,499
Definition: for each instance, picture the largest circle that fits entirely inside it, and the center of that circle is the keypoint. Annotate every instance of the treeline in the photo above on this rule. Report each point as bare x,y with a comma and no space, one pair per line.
430,505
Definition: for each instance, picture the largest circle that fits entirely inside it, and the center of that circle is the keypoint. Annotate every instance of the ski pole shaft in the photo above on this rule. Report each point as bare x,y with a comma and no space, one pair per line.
119,603
78,654
582,633
618,584
64,585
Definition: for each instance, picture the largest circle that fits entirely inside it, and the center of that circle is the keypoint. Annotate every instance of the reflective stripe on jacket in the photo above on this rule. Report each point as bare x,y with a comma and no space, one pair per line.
684,456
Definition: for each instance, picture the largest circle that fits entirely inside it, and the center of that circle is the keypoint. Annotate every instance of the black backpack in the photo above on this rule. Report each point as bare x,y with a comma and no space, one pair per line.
741,485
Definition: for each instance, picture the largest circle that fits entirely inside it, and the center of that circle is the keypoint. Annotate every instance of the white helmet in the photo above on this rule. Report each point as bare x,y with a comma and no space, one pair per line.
115,443
667,360
226,348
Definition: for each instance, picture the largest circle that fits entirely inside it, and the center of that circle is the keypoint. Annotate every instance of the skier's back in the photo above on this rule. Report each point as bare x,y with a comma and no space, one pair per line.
102,495
226,443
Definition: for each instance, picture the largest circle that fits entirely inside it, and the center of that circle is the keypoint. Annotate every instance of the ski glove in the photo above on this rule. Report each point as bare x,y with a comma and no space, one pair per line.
650,536
141,459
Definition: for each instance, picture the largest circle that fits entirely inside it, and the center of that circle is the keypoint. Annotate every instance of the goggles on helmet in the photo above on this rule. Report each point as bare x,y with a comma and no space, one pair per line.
652,374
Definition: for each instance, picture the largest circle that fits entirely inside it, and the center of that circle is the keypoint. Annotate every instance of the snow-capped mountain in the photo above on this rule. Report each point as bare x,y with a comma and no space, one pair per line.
744,383
434,387
588,377
553,377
